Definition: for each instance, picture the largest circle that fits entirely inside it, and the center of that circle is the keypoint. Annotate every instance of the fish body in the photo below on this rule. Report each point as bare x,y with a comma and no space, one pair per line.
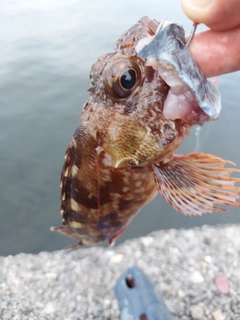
144,99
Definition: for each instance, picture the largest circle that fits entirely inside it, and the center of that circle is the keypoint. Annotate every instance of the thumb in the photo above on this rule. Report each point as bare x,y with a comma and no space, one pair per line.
216,14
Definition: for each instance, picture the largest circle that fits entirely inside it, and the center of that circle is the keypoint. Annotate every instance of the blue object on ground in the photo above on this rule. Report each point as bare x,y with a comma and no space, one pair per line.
137,299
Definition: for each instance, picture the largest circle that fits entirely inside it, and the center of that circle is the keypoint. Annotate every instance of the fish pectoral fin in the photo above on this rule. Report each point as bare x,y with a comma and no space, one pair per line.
197,183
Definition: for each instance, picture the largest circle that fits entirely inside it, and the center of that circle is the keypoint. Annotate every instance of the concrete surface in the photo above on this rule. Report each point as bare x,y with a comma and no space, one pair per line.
197,272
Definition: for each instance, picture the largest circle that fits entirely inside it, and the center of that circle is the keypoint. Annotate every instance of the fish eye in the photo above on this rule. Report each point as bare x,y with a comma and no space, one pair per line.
121,77
128,79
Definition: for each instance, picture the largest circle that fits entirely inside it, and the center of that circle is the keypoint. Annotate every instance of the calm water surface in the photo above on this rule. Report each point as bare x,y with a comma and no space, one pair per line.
46,50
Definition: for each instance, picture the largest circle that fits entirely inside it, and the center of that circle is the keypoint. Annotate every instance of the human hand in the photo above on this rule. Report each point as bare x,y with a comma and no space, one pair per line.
217,50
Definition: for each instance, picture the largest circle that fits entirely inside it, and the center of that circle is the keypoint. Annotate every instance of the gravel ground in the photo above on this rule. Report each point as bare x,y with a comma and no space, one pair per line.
197,272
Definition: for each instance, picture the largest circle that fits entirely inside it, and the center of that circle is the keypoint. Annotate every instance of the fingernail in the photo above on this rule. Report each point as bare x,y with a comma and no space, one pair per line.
196,10
199,3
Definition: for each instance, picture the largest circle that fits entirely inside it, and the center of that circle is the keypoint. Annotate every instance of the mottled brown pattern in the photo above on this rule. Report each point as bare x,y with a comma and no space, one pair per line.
82,195
122,152
99,192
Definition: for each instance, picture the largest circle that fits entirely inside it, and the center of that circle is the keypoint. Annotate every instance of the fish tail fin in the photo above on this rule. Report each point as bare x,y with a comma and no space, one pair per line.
197,183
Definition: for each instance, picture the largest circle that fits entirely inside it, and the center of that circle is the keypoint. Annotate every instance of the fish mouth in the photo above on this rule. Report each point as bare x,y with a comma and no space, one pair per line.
191,96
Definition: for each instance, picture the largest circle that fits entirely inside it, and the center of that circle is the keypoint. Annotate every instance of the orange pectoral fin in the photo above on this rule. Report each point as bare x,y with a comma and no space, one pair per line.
196,183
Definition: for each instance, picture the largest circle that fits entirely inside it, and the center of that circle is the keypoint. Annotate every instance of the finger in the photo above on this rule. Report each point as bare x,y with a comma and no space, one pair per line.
217,52
216,14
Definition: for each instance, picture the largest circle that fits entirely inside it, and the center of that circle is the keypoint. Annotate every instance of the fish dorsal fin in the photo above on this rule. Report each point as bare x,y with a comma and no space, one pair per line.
197,183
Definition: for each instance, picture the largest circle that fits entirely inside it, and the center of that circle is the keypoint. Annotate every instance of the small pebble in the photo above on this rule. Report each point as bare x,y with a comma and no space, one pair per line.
106,303
147,241
208,259
196,277
222,284
51,275
116,258
189,234
49,308
181,293
196,312
217,315
77,314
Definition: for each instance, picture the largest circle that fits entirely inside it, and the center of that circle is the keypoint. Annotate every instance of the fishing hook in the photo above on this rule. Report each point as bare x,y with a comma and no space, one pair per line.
194,28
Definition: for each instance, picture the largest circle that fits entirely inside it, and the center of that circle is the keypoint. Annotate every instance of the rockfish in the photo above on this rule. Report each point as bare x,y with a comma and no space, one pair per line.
145,97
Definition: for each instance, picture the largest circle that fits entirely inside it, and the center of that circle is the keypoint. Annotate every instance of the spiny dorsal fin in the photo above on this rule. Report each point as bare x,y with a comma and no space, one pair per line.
196,183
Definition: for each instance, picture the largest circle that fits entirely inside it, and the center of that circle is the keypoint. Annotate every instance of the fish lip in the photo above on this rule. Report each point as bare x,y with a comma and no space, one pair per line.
168,46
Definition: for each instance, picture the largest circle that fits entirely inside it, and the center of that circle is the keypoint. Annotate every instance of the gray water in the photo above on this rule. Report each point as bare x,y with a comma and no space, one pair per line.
46,50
